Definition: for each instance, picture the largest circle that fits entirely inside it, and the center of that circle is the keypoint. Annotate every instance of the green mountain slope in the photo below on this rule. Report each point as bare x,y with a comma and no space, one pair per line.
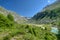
49,14
19,19
9,30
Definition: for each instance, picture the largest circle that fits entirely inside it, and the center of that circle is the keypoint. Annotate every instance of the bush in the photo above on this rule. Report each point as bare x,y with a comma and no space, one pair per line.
10,17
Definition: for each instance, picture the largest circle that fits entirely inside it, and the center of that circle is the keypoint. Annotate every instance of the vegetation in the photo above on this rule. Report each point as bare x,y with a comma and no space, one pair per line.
10,17
47,16
14,27
10,30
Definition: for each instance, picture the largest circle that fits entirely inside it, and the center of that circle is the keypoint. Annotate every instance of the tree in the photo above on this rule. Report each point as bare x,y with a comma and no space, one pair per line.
10,17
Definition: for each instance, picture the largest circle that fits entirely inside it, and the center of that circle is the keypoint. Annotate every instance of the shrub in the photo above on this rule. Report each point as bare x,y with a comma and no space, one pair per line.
10,17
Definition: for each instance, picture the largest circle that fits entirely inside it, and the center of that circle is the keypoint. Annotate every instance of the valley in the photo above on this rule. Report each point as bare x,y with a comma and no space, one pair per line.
44,25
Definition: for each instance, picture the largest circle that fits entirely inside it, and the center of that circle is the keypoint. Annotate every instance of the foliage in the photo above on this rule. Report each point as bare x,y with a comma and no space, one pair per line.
10,17
58,35
4,21
24,31
11,30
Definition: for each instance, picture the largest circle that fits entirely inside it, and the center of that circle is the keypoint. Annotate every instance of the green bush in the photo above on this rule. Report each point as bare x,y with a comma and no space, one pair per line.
10,17
4,21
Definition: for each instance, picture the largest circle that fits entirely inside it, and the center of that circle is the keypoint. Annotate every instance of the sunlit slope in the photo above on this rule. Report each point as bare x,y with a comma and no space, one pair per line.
9,30
17,18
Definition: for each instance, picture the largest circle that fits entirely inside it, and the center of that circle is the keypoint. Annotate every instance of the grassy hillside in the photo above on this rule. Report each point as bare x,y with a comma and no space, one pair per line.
15,27
17,17
10,30
49,15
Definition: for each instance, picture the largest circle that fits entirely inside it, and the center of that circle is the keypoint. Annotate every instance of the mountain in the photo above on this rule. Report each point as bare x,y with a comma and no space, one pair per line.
49,14
10,30
54,5
18,18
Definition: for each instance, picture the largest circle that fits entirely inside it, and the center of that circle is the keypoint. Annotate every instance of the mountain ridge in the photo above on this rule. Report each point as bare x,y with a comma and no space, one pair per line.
49,14
18,18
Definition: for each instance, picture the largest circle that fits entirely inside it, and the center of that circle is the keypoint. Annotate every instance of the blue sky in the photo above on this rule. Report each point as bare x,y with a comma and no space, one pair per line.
26,8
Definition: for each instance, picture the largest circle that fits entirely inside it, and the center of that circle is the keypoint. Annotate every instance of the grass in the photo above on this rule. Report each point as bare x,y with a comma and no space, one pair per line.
24,32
